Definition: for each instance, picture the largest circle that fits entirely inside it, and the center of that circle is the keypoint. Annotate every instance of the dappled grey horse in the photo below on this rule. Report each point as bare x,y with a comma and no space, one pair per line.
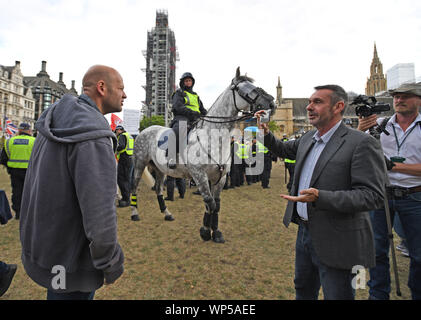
206,157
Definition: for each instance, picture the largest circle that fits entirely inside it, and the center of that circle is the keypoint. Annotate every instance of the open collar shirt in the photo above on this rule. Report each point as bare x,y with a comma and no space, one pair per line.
410,149
319,143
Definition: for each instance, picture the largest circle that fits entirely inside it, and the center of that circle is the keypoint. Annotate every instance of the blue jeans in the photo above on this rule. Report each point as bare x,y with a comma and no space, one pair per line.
310,274
51,295
409,210
397,226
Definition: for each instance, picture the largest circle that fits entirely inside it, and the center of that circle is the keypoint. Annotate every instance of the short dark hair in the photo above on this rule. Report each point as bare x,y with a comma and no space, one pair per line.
338,94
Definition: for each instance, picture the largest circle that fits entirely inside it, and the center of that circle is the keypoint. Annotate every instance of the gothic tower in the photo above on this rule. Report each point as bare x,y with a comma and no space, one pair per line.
279,93
283,117
377,81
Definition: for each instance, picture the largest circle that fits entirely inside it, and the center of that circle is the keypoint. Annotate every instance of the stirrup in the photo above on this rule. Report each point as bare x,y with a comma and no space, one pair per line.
172,164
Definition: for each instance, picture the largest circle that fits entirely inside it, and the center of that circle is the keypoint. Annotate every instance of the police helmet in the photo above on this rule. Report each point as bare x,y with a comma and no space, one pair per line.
184,76
119,127
24,126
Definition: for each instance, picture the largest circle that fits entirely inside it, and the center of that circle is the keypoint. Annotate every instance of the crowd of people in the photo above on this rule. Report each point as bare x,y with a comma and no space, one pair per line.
341,181
245,158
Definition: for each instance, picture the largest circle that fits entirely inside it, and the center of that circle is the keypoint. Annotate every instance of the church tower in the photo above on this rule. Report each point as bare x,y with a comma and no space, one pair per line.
279,92
283,117
377,81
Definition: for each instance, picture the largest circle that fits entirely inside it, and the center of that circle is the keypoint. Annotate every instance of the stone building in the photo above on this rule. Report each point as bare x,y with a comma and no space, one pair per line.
284,115
16,100
45,90
291,114
376,83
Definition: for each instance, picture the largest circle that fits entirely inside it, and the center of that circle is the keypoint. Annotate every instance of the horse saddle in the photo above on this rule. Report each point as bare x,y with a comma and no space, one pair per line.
164,138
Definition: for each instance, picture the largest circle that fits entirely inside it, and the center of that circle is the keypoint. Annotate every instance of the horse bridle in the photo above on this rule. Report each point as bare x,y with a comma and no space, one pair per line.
256,97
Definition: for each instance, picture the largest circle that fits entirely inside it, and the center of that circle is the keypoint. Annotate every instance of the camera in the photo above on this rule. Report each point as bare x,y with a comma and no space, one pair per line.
266,116
366,106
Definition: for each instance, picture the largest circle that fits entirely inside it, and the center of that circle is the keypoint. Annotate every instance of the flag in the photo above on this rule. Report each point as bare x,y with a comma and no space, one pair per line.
11,129
115,121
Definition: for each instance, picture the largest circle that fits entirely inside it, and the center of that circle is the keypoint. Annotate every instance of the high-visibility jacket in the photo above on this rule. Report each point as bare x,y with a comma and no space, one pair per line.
286,159
129,145
242,151
253,149
18,150
191,101
261,147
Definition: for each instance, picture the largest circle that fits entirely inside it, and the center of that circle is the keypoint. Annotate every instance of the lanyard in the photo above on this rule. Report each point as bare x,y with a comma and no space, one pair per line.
406,136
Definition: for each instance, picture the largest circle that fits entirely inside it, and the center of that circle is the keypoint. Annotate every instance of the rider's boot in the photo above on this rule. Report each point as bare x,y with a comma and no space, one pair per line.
172,164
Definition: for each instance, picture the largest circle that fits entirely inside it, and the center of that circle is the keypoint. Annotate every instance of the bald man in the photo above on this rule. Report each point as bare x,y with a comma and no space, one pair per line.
68,226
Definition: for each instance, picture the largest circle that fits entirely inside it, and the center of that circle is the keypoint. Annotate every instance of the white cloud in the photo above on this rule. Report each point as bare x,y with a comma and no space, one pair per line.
305,42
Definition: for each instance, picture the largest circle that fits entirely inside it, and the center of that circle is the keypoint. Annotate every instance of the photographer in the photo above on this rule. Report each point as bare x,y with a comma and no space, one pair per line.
402,149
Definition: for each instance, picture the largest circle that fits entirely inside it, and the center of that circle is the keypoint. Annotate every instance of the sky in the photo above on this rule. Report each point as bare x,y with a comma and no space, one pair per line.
305,43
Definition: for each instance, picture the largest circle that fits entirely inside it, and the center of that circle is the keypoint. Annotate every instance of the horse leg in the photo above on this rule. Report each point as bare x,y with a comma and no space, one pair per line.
139,167
214,216
160,177
201,181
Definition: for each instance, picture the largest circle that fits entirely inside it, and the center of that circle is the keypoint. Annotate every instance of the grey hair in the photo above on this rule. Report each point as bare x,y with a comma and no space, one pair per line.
338,94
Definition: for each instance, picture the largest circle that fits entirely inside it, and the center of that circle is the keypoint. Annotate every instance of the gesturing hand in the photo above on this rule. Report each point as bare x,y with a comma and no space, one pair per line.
307,195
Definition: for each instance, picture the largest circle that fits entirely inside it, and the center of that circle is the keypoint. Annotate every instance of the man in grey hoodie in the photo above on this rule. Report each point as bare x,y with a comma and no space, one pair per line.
68,226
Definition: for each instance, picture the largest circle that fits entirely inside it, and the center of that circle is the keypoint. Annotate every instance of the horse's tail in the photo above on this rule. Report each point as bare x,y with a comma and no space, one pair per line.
147,177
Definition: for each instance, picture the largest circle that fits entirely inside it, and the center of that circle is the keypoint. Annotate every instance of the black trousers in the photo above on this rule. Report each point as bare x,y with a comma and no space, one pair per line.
124,176
291,168
239,174
234,175
176,128
181,186
17,177
266,171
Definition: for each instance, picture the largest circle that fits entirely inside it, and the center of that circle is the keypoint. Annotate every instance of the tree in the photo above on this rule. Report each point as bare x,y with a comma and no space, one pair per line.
273,126
150,121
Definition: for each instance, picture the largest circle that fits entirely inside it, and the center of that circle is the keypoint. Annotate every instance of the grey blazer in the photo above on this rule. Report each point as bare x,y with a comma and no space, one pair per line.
350,176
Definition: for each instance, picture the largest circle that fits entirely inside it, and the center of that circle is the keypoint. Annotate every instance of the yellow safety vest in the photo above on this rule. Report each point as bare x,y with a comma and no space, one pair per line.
261,147
191,101
129,145
242,151
288,160
18,150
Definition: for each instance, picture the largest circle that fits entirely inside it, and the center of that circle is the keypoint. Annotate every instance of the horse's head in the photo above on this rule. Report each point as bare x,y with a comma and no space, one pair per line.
252,98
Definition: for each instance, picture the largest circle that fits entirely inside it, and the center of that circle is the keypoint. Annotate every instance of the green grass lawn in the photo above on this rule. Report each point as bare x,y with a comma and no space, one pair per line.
168,260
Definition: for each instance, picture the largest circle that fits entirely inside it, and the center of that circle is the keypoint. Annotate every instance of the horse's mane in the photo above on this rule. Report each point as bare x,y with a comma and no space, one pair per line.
245,78
239,79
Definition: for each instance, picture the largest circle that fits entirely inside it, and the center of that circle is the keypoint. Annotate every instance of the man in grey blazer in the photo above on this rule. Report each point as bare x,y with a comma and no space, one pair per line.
339,176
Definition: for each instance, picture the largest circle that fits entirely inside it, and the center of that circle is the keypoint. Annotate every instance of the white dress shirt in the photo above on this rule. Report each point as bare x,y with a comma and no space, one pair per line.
410,149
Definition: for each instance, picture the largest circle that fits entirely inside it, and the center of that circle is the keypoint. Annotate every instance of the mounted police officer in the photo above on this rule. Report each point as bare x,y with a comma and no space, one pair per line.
125,145
186,108
15,156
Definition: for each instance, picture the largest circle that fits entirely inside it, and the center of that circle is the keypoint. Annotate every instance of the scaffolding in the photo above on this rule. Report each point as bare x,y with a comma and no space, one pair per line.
161,56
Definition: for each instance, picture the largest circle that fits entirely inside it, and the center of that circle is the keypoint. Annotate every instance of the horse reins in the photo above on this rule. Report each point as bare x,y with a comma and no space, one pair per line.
246,114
